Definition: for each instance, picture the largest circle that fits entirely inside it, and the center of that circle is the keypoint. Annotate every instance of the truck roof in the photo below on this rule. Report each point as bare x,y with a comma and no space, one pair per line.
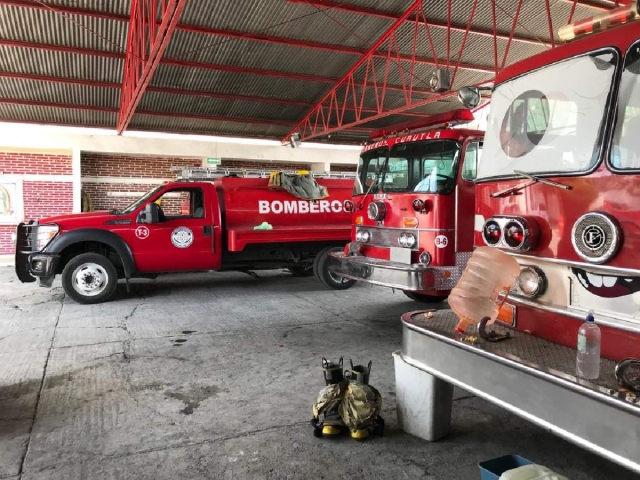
458,134
617,36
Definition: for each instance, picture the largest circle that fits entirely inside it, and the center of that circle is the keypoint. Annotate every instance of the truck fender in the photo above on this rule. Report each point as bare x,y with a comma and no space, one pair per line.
81,235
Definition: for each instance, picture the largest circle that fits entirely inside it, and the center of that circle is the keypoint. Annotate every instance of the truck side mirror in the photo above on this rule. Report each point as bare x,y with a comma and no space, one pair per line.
150,214
469,97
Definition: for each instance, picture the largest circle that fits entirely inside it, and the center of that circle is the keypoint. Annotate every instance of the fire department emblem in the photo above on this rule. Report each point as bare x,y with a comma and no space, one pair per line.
596,237
142,233
182,237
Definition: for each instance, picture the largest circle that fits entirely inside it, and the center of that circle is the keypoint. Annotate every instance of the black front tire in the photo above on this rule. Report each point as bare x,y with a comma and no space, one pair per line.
321,270
96,266
421,297
304,270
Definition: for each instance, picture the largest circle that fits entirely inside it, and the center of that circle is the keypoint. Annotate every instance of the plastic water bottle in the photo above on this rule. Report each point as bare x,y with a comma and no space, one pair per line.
588,356
483,286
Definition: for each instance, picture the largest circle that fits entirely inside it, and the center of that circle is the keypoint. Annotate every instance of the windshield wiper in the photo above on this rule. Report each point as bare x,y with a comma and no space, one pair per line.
534,179
374,183
115,211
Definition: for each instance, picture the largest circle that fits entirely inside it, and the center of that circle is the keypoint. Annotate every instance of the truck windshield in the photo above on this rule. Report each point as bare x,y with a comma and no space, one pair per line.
625,152
550,120
426,167
369,171
141,200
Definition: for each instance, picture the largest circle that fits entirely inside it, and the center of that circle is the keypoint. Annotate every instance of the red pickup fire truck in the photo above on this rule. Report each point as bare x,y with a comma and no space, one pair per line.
205,221
413,206
555,190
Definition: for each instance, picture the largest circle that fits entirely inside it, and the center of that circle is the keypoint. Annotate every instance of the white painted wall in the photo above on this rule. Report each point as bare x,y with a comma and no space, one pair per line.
321,156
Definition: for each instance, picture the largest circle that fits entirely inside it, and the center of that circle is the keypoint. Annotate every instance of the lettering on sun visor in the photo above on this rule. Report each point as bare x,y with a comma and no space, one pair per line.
299,206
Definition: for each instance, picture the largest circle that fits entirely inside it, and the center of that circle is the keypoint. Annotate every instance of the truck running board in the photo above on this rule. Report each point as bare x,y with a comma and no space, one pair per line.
529,376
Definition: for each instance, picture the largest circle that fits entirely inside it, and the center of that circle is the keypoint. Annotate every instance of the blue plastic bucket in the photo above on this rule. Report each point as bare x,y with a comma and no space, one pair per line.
492,469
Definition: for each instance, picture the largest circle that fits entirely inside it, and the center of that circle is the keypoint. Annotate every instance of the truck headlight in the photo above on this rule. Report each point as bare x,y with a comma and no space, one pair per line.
363,236
407,240
532,282
44,235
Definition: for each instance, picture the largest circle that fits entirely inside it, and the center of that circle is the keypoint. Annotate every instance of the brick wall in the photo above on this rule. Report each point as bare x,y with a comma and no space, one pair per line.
41,198
129,167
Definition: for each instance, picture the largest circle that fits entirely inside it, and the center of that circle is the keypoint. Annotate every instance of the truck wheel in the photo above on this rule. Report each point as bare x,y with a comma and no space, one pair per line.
303,270
89,278
421,297
328,279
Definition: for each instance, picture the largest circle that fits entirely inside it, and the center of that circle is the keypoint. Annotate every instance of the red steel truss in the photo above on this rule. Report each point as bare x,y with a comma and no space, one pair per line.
367,81
146,43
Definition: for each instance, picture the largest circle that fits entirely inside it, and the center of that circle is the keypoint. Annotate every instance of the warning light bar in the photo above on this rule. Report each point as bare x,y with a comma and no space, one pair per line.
600,22
429,122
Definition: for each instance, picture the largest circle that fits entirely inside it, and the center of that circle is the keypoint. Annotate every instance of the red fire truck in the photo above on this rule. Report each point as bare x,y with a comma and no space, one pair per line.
555,190
413,206
205,221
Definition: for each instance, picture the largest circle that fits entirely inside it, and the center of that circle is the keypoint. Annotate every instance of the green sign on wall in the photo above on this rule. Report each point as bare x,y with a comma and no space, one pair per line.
213,161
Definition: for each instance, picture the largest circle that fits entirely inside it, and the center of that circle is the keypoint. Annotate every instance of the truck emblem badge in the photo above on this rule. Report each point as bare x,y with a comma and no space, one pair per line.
441,241
182,237
142,233
596,237
593,237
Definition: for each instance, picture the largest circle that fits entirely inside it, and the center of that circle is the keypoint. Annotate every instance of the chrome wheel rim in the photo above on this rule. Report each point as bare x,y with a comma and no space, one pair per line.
337,278
89,279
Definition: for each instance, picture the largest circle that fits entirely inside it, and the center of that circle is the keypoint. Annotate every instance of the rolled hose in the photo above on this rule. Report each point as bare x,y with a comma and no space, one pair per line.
626,378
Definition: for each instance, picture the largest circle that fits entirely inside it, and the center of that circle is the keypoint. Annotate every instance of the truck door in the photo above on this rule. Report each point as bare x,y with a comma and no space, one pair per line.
465,195
182,236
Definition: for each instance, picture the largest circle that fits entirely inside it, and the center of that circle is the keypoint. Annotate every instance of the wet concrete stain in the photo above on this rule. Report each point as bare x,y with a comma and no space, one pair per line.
189,332
192,397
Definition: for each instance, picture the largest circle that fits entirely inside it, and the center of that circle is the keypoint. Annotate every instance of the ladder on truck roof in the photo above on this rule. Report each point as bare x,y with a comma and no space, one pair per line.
202,173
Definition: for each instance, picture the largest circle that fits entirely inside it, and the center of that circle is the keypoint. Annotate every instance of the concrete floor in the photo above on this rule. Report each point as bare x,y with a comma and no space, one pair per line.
213,376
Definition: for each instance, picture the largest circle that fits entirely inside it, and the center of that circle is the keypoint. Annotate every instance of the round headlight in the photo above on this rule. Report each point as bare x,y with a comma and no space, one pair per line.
366,236
359,236
491,232
514,234
418,205
348,206
402,240
376,211
425,258
532,282
411,240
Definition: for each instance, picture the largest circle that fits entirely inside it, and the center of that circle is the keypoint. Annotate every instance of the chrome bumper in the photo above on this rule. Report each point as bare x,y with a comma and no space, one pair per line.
532,378
414,277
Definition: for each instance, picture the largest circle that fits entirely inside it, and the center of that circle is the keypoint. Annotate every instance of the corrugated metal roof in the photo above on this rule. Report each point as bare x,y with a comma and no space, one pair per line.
59,93
60,64
63,116
279,18
45,26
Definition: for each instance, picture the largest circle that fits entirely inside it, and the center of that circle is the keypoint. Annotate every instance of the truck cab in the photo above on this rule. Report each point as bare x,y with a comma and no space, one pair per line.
556,187
412,208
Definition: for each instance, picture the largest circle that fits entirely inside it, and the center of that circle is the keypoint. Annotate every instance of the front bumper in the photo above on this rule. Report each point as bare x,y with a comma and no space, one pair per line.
31,266
415,277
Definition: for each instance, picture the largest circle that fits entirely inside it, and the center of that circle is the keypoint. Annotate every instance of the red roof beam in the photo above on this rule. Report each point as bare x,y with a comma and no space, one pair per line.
372,12
257,37
207,66
170,91
146,43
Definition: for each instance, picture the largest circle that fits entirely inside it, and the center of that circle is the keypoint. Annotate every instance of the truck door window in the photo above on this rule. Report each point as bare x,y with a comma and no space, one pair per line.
181,203
471,159
625,151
